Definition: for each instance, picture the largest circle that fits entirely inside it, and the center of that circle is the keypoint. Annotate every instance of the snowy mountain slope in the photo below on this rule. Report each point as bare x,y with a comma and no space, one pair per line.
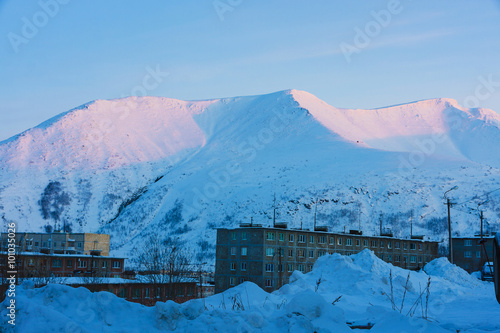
137,166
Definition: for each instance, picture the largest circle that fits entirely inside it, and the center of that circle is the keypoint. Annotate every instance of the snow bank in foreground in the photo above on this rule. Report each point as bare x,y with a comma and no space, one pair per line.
362,282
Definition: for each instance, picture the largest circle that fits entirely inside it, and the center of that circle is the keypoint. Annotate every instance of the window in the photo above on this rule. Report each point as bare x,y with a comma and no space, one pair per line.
31,262
82,263
290,253
146,293
309,268
117,264
389,258
122,293
300,267
242,279
468,254
382,244
413,259
373,243
331,241
244,251
478,254
233,235
243,266
269,251
389,245
321,239
79,244
397,259
358,242
55,244
348,242
63,244
468,242
270,236
94,263
104,264
321,253
231,281
281,237
269,267
405,259
233,251
243,235
365,243
44,244
301,253
420,247
420,259
311,253
136,293
302,239
412,246
382,256
290,267
36,243
339,241
396,245
232,266
269,283
291,238
280,268
311,239
405,246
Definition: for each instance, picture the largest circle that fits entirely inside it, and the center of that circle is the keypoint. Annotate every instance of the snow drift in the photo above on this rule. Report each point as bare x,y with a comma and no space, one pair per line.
304,305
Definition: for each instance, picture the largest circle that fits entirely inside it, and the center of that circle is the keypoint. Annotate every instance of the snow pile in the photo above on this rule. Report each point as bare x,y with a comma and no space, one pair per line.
443,268
304,305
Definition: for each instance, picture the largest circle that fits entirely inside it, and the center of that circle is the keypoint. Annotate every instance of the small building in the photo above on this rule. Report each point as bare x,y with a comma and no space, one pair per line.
268,256
63,265
469,254
59,243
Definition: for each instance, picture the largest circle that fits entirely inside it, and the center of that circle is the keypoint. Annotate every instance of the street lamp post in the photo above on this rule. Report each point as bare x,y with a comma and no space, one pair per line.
449,204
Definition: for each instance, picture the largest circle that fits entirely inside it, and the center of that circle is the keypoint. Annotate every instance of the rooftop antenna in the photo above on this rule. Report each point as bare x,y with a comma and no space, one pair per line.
300,224
315,211
274,211
411,224
251,221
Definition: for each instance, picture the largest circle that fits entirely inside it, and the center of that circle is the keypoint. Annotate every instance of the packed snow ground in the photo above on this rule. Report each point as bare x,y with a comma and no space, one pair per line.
457,302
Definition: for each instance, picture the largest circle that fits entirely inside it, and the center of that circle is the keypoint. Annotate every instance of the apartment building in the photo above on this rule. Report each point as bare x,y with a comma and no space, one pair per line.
469,254
267,256
59,243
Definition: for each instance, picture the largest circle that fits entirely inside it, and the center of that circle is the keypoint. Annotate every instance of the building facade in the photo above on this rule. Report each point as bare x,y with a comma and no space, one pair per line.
268,256
41,265
469,254
59,243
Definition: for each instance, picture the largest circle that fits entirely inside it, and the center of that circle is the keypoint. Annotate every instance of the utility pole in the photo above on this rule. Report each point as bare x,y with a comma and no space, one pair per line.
449,204
280,268
411,225
450,243
315,211
274,211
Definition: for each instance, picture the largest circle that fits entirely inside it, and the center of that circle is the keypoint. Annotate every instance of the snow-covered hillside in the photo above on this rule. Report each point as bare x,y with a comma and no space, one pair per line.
137,166
339,293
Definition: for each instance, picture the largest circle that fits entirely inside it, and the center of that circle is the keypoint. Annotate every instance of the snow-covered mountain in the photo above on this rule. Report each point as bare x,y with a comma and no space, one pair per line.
136,166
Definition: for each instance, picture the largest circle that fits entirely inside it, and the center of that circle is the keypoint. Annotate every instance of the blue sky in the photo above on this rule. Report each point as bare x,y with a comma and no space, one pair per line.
87,50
